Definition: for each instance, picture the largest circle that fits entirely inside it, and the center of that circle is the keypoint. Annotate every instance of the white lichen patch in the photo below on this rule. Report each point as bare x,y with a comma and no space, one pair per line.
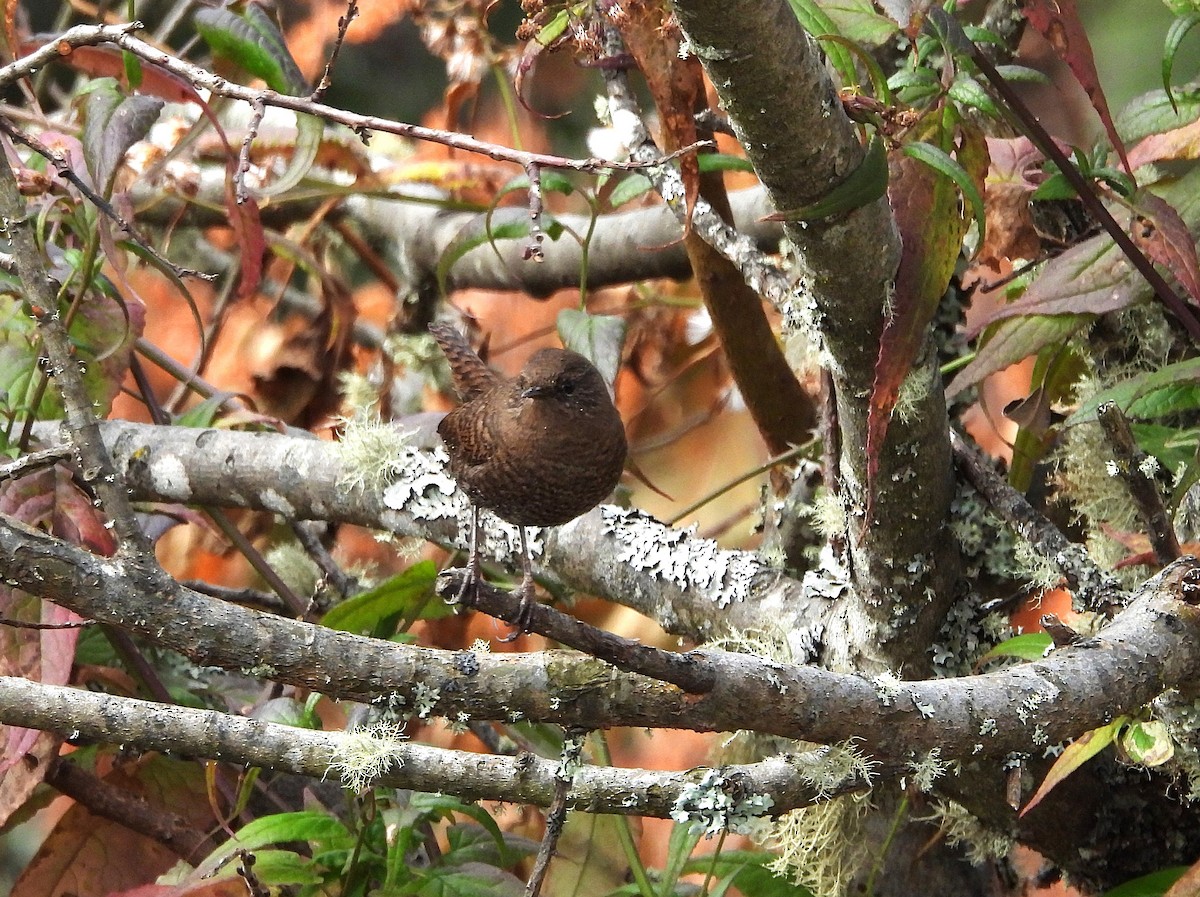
366,754
679,558
293,565
169,478
709,806
827,768
368,453
423,487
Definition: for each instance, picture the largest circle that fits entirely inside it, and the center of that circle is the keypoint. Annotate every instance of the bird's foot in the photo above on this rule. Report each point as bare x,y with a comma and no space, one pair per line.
468,585
524,617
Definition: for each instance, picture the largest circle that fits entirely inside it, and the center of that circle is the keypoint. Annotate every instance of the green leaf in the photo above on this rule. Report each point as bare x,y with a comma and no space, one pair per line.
723,162
1012,340
813,19
969,93
316,826
1151,394
1027,646
254,43
629,189
946,165
1175,35
867,183
1155,112
1078,752
599,338
369,610
1148,743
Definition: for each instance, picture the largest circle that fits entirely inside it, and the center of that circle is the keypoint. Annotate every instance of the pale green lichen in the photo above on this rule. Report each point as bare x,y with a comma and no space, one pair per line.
713,806
368,454
366,754
292,564
822,847
981,844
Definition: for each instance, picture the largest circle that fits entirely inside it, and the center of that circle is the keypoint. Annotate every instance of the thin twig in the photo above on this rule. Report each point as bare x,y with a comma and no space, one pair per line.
35,461
556,813
343,27
363,125
1131,464
1086,580
630,655
25,624
241,194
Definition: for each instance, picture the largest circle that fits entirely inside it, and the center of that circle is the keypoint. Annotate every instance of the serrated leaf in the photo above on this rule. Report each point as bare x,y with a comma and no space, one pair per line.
1078,752
1027,646
1011,341
599,338
395,596
1129,393
925,202
112,123
967,184
1167,241
1154,113
1058,21
969,93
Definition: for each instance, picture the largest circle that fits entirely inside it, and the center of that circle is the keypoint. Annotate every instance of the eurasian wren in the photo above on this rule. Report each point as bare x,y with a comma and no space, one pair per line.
538,449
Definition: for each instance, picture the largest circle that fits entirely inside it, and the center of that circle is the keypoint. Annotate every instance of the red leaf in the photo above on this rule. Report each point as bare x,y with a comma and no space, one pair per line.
1164,237
931,219
1058,22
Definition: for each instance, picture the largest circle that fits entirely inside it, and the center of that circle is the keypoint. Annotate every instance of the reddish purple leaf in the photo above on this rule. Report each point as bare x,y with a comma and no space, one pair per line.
1164,237
1058,21
932,220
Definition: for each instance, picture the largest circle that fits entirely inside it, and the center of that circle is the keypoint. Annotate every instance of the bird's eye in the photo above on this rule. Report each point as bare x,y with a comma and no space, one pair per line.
567,387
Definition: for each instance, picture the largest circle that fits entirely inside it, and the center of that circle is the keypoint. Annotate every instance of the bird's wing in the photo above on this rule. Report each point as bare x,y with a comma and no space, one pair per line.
471,376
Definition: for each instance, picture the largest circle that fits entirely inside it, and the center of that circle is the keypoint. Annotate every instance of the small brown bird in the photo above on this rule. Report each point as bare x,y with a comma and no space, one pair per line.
538,450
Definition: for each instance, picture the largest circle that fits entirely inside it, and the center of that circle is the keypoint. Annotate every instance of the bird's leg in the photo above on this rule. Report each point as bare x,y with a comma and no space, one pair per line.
471,579
525,591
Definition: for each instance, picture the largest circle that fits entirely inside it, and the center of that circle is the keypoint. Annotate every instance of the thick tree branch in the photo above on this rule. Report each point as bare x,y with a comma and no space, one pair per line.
525,778
1152,645
789,118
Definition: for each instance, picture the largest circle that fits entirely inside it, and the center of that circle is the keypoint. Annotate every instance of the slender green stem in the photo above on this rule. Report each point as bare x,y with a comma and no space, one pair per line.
624,833
877,867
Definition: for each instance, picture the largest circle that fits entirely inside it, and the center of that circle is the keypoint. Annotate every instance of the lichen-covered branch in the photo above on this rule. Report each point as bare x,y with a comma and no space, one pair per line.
788,116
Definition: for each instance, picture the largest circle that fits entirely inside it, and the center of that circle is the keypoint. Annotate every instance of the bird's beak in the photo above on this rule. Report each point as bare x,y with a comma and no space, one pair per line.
533,392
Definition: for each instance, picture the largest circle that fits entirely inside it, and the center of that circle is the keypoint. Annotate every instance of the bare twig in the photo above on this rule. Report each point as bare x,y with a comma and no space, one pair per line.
1131,466
34,461
363,125
243,165
556,813
343,26
1086,580
625,654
